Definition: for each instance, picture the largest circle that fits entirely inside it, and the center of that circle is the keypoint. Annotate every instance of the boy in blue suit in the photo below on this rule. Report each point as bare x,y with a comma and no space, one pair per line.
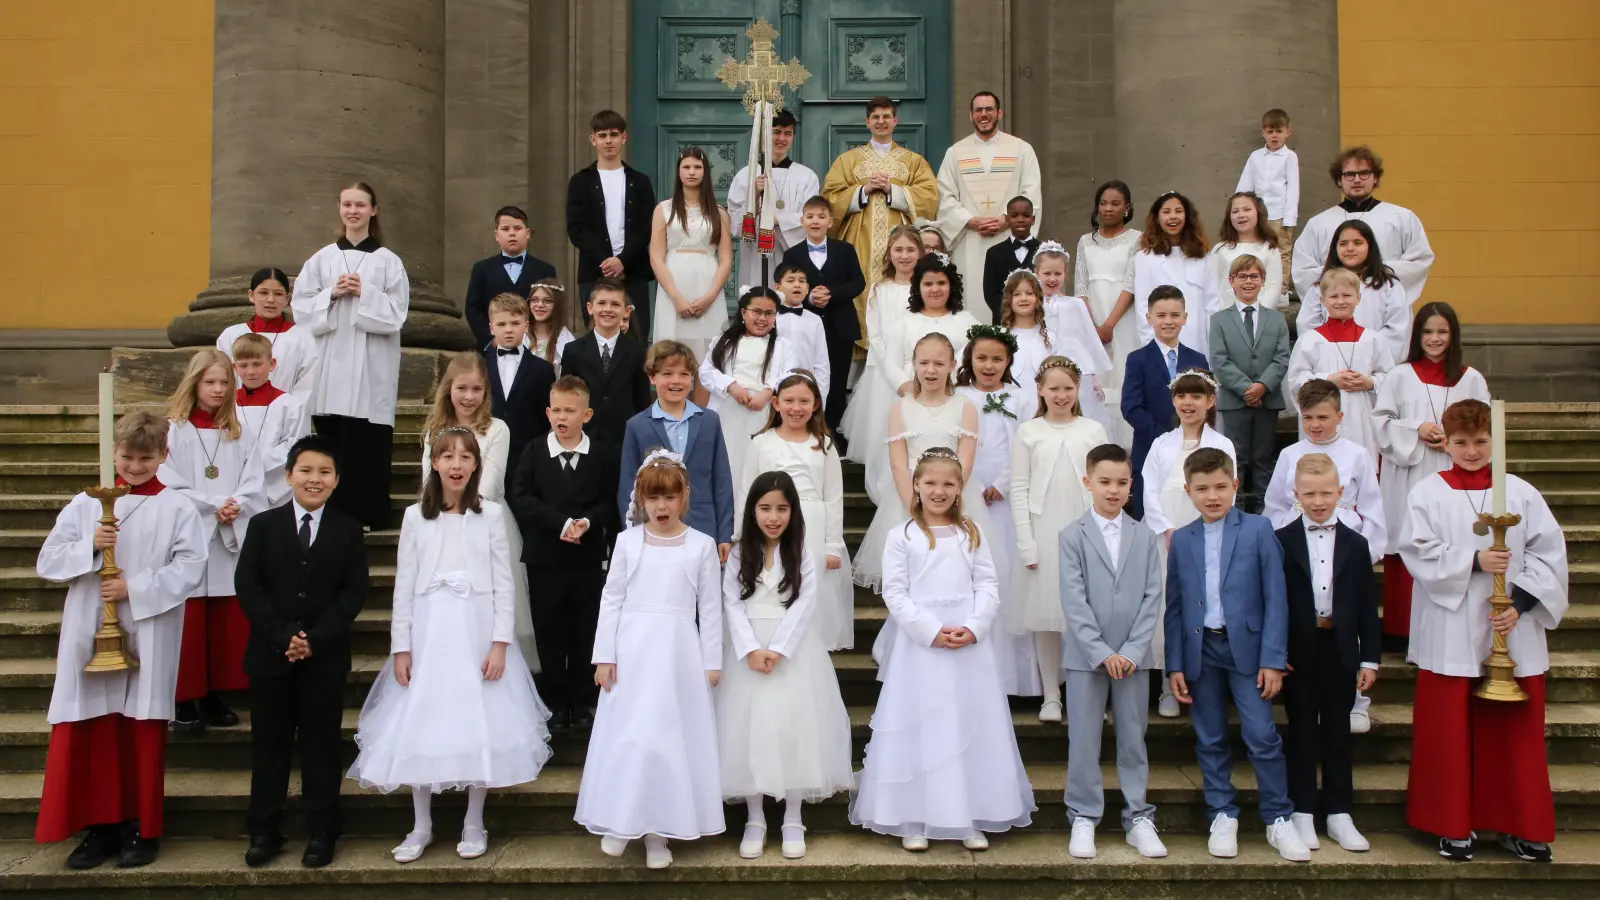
1146,395
678,424
1227,630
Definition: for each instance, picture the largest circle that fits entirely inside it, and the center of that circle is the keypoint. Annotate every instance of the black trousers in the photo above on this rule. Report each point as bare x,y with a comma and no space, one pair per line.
566,609
1252,431
366,453
839,359
639,294
304,707
1318,700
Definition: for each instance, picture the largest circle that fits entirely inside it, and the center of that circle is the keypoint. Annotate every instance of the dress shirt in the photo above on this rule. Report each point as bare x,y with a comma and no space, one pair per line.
1169,356
556,450
614,185
507,363
819,254
603,343
1319,547
300,514
1111,530
513,265
1213,538
1020,248
1252,321
677,429
1274,176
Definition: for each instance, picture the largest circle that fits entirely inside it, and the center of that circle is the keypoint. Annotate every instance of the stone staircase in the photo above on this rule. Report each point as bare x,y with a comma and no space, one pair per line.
47,453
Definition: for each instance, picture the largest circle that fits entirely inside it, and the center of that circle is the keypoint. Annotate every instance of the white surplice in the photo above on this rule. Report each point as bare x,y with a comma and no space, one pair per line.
295,352
358,338
978,178
792,185
1404,403
1147,271
1361,504
239,477
274,429
1315,356
1401,240
1383,311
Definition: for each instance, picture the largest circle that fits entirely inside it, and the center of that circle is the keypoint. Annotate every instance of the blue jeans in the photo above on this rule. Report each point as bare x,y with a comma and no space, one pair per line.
1218,682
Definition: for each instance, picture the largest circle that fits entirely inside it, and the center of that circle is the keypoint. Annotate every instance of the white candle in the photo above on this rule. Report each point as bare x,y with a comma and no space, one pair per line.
108,472
1497,426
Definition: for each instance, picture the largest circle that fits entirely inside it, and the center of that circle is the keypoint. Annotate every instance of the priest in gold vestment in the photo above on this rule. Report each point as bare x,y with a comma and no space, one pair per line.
874,187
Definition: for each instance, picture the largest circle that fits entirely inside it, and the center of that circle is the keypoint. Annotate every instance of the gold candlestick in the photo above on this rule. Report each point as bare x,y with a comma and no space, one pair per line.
110,641
1499,682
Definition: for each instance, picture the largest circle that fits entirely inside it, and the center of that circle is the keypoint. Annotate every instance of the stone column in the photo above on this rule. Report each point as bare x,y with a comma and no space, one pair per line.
1192,80
308,96
980,60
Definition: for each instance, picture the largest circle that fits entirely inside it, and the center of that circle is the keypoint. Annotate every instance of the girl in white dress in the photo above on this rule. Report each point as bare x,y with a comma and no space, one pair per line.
652,769
987,381
1167,506
1245,229
1100,277
294,348
454,707
462,399
1047,493
1384,309
942,762
1172,251
547,309
1057,325
796,441
782,728
1343,352
928,416
1407,418
888,306
691,254
743,369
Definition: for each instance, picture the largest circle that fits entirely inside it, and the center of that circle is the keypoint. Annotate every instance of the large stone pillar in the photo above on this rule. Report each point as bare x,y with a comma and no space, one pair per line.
310,95
1192,80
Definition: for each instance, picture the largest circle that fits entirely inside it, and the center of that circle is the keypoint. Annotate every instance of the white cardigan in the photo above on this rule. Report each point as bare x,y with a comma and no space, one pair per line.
421,542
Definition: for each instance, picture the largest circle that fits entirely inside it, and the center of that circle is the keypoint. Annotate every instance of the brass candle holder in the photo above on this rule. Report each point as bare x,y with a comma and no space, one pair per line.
1499,681
110,641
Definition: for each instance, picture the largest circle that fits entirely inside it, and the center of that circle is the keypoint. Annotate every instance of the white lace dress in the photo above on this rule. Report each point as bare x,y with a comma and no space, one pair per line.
692,260
1100,275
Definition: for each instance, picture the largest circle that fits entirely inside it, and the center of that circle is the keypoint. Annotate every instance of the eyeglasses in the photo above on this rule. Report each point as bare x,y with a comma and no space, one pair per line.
541,301
976,110
761,313
1247,276
1356,175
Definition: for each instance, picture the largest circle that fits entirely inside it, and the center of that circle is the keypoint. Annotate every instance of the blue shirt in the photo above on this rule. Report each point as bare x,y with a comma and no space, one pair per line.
1213,537
513,266
677,429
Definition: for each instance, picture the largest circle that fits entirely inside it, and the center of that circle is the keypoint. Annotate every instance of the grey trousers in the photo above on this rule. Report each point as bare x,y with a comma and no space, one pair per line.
1086,696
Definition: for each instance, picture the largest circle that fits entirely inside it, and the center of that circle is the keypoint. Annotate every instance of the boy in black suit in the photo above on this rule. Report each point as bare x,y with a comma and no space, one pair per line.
836,281
1334,647
511,271
563,501
612,369
1013,253
301,580
609,206
519,381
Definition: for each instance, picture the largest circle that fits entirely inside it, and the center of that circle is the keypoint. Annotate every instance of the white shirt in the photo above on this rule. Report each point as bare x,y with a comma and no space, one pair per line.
819,254
300,514
507,363
606,344
554,443
808,340
1319,545
1274,176
1253,322
614,184
1111,530
1020,249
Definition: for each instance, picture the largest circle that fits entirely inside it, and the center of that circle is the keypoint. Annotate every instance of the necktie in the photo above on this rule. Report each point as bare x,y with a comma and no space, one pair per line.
569,460
605,360
514,351
1172,364
305,532
1250,321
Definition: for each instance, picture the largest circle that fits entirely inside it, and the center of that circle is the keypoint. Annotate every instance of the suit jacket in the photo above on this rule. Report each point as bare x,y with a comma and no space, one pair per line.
998,264
710,478
586,223
841,275
523,406
488,279
1146,398
615,397
1111,605
545,495
1239,360
284,590
1356,627
1255,609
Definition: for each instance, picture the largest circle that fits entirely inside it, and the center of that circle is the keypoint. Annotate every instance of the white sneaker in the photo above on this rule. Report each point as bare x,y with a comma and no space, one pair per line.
755,840
1360,722
916,843
1082,846
794,841
1285,838
474,843
1306,825
1167,707
1142,837
1224,841
1050,711
1343,829
978,841
613,846
411,849
656,854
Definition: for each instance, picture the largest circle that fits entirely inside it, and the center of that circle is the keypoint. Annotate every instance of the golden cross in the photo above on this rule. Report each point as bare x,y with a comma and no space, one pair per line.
986,204
762,73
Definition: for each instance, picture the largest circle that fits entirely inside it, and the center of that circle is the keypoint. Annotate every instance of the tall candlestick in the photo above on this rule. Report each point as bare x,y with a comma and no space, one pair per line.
1497,429
108,471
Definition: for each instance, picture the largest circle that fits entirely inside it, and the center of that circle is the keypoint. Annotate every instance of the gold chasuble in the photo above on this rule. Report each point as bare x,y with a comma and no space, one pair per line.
916,196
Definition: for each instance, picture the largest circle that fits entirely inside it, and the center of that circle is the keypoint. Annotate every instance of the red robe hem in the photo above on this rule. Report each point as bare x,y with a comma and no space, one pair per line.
211,657
1396,597
103,771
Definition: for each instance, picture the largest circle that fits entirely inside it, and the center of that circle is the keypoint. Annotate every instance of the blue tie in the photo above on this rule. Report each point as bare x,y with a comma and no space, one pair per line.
1172,364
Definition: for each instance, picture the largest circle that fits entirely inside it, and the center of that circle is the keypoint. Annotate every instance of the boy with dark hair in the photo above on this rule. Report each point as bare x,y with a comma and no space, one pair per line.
1013,253
519,380
611,368
801,327
1146,384
609,209
791,184
513,270
833,272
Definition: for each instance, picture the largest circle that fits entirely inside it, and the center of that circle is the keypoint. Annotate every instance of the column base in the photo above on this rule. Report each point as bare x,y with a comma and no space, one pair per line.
433,322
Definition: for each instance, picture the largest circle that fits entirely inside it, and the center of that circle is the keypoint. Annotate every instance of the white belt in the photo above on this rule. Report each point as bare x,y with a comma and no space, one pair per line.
659,609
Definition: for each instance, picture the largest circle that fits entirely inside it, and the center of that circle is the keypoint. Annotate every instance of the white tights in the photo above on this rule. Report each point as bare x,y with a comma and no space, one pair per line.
792,804
422,810
1047,645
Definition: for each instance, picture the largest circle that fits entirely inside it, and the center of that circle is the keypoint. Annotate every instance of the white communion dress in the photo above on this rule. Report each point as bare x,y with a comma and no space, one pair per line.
1047,494
692,260
866,419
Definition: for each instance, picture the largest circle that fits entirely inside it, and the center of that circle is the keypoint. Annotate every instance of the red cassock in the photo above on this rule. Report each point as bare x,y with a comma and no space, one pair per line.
101,771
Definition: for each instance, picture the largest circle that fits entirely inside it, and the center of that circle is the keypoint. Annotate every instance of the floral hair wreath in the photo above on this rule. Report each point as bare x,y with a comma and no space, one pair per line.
658,457
1201,374
549,286
1059,362
994,333
944,453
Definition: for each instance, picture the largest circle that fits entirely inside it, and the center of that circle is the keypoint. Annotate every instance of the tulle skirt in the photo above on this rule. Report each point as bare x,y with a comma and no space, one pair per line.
866,421
1014,649
739,424
834,621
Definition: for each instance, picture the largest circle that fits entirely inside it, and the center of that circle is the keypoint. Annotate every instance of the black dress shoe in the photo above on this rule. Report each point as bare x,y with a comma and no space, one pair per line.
263,847
560,720
216,713
319,851
582,717
100,844
186,718
136,851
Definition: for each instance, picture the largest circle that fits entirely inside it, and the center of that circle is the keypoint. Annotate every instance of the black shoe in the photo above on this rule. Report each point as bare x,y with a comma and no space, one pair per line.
1456,851
1532,851
136,851
100,844
560,720
582,716
186,718
319,851
263,848
216,713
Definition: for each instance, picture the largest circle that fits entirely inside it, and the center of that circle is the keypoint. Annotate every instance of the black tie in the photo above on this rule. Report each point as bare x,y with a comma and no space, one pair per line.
305,532
508,260
605,360
791,310
515,351
1250,321
569,460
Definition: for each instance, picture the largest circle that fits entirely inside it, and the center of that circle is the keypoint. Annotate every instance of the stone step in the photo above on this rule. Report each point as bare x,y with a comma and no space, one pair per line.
212,804
1530,416
1558,474
1579,443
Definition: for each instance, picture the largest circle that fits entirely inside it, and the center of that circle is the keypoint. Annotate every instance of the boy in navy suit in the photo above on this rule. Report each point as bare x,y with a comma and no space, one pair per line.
834,273
676,423
1227,624
611,366
1146,392
519,382
513,270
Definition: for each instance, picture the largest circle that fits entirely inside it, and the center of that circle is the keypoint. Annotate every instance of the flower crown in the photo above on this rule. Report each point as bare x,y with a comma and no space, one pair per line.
662,457
1201,374
944,453
942,257
994,333
549,286
1051,247
1059,362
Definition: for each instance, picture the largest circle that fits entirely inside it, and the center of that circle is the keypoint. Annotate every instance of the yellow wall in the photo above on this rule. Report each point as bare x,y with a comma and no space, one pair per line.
1487,116
105,161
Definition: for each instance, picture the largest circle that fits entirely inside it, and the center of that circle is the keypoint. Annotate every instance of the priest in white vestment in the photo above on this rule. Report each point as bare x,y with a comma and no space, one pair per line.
792,184
1401,239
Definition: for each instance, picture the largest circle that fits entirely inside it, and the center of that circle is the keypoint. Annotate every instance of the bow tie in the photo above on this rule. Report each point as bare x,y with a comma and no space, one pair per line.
1316,528
511,259
816,248
785,308
502,351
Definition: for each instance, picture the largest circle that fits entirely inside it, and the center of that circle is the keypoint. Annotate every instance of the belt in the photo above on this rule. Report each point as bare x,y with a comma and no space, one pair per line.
690,250
1222,630
1325,622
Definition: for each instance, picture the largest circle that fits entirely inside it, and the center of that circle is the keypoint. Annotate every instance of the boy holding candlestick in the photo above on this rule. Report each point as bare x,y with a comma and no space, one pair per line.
105,770
1479,763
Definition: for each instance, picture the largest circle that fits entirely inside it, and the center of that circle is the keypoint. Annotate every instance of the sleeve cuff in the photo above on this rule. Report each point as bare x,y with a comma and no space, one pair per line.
1521,600
1372,666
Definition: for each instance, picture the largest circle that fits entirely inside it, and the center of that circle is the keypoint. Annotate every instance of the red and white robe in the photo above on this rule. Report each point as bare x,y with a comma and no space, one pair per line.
273,421
293,348
1336,345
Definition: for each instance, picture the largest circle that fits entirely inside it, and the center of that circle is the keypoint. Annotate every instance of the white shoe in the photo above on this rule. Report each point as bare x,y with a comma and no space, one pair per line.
978,841
755,840
474,843
613,846
1224,841
794,841
1142,837
1343,829
1306,826
916,843
1360,722
1285,838
656,854
1167,707
410,849
1082,846
1050,711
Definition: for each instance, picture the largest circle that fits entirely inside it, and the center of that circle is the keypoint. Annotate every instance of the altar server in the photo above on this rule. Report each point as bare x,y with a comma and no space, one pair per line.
791,185
293,347
1358,172
1384,309
269,419
1341,351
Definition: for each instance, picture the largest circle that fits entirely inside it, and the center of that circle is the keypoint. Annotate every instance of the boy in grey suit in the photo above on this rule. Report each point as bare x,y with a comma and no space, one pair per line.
1249,357
1111,594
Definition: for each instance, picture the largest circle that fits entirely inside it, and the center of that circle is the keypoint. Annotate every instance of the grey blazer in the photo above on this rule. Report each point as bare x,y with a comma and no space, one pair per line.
1237,361
1110,606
